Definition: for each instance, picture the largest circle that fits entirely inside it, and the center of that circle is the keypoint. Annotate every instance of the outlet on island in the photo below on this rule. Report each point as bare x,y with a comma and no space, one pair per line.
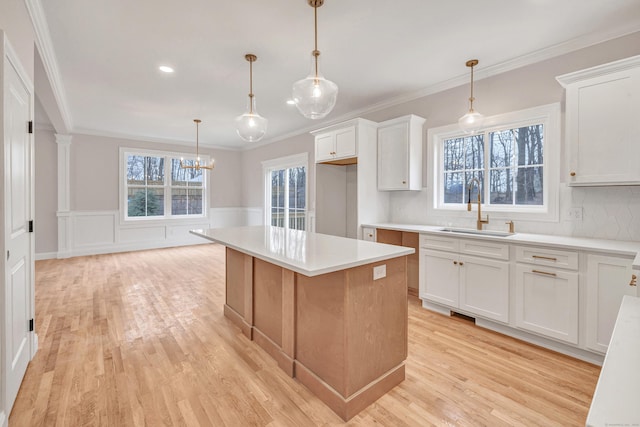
379,271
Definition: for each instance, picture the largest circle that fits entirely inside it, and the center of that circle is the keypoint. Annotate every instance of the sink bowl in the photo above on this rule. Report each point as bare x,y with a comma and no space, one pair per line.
493,233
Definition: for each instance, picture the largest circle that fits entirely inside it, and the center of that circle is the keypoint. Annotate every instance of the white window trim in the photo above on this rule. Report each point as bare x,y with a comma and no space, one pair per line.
296,160
549,116
167,218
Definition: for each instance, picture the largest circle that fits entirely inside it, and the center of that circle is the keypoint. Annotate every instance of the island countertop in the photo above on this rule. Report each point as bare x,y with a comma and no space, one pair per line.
304,252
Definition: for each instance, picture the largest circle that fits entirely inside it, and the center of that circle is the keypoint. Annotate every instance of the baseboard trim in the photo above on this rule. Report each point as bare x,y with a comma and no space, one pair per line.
347,408
41,256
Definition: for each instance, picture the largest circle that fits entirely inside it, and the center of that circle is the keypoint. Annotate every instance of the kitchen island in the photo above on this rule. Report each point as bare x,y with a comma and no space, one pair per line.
331,311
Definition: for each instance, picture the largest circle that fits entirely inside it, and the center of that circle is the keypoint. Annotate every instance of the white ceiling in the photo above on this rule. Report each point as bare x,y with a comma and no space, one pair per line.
377,51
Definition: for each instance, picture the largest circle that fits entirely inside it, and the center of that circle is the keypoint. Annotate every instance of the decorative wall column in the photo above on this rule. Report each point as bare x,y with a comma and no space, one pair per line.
64,195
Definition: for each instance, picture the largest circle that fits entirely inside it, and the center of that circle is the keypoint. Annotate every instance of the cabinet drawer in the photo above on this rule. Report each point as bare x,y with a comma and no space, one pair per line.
549,257
484,249
429,241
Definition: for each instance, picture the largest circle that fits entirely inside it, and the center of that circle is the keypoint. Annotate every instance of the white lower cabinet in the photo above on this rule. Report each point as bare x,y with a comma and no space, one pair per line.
484,287
547,302
474,285
369,234
609,278
563,298
440,271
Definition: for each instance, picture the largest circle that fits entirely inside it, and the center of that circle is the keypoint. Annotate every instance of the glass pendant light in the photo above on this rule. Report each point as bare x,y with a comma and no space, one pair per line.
251,126
315,96
196,165
472,121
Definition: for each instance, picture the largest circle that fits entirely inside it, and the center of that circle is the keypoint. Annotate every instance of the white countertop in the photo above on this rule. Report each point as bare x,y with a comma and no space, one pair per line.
617,247
304,252
616,401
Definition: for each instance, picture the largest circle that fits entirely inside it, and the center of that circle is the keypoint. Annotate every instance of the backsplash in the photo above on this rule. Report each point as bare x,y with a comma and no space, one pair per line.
607,213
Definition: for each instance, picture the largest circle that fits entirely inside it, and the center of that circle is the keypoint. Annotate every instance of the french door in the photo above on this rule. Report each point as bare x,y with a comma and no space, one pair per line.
286,194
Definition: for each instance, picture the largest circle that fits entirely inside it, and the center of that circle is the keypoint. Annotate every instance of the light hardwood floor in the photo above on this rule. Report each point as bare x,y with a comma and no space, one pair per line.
139,339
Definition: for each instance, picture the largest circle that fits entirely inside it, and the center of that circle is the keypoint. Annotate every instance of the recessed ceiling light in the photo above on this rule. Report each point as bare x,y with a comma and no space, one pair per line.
165,69
291,102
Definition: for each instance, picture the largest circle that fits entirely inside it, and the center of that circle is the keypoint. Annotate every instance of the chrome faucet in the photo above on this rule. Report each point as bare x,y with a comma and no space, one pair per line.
480,221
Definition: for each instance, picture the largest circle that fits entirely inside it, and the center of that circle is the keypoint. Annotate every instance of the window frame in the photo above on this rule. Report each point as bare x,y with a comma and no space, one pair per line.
167,187
268,166
547,115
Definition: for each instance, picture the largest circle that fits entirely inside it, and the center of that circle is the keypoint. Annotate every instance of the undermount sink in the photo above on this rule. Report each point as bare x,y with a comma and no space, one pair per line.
493,233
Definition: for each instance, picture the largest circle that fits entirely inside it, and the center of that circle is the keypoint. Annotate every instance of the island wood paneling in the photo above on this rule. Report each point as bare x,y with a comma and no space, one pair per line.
239,290
267,299
140,338
351,339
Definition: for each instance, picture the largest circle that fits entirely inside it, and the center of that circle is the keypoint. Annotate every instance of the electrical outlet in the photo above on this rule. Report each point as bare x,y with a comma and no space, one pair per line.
379,272
575,214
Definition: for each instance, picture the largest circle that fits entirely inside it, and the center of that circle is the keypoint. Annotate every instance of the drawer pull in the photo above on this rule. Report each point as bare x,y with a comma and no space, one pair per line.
633,281
455,262
548,258
543,272
461,263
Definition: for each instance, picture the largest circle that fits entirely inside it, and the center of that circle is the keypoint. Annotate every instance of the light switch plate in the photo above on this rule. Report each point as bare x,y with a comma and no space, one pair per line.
379,272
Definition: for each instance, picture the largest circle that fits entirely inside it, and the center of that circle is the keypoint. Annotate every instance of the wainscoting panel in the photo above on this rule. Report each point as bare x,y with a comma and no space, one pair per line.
98,232
93,229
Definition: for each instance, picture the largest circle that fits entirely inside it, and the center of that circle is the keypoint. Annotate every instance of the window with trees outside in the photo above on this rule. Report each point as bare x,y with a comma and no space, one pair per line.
508,163
156,187
286,192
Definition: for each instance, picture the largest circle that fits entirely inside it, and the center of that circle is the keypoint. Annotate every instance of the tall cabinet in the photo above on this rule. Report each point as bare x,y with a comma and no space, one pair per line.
346,190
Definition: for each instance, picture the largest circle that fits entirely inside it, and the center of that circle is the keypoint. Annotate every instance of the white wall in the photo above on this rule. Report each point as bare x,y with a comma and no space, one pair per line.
93,223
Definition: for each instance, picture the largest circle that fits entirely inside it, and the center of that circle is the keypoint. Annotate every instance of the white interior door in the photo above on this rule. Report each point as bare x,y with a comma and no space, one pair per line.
18,243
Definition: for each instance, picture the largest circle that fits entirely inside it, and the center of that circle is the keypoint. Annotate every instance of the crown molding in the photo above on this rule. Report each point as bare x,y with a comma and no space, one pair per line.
47,53
143,138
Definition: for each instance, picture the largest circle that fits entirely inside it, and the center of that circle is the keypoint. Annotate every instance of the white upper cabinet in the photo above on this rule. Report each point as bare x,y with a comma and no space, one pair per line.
400,153
336,144
602,126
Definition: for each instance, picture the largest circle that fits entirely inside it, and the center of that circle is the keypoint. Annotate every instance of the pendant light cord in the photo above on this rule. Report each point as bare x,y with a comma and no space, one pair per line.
250,86
316,52
197,139
471,97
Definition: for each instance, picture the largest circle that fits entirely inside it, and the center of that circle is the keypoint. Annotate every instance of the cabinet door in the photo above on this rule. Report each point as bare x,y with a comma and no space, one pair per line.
439,273
608,280
484,287
345,143
602,127
369,234
325,146
547,302
393,157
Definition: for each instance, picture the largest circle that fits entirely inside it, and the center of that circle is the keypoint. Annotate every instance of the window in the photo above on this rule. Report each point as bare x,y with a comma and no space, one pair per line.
156,187
286,192
512,164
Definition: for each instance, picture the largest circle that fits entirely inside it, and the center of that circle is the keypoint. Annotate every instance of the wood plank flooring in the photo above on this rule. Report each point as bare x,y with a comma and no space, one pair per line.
139,339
